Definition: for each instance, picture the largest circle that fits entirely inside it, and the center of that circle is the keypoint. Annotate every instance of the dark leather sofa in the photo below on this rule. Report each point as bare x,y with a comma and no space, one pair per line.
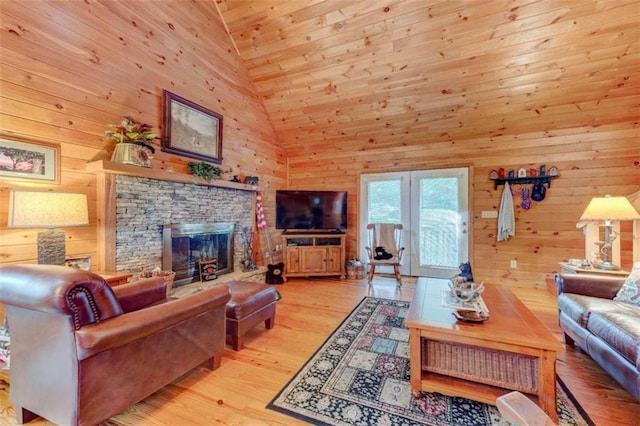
609,331
82,352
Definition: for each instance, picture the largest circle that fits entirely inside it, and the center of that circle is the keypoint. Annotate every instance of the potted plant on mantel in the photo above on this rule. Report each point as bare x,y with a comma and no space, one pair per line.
206,171
132,142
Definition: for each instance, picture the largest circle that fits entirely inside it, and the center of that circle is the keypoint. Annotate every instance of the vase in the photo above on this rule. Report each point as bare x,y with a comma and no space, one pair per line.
131,153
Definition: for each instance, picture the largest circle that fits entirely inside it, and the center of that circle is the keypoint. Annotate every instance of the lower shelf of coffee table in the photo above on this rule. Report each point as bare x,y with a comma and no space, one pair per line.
493,367
451,386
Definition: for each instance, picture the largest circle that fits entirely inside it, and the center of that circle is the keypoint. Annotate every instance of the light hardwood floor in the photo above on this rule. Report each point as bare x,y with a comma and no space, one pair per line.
238,392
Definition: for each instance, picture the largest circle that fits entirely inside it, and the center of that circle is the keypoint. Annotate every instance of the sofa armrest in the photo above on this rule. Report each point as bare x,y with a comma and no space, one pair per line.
142,293
83,295
593,285
119,331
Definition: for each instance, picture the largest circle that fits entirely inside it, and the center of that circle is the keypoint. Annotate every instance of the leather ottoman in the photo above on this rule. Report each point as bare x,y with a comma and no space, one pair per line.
250,304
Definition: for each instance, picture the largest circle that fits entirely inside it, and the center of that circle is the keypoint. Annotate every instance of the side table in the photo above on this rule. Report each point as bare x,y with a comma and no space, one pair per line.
566,268
115,278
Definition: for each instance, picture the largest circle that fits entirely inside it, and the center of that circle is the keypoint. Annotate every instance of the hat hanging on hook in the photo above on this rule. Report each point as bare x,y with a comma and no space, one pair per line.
538,192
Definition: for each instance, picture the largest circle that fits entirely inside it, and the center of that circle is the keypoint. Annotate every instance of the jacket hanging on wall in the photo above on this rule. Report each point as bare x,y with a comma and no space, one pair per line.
506,216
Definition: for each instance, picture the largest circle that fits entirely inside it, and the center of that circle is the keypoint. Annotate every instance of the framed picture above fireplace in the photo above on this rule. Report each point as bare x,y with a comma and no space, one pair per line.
190,129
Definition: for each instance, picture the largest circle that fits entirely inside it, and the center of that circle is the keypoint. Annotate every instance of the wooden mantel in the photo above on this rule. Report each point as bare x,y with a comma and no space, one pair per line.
110,167
106,199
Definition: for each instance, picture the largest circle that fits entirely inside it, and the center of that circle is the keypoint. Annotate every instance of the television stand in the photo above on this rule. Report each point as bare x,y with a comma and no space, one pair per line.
312,231
313,254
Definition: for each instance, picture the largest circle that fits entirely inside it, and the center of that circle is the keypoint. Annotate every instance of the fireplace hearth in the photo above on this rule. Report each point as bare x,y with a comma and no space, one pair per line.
184,245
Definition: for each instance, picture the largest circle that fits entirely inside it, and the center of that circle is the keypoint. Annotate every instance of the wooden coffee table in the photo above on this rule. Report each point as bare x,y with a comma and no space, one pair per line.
480,361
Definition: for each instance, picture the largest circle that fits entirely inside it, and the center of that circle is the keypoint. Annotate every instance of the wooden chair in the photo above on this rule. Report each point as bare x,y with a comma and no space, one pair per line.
393,245
516,408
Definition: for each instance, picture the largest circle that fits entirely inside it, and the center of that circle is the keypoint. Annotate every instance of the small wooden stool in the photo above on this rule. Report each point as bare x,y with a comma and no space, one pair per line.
250,304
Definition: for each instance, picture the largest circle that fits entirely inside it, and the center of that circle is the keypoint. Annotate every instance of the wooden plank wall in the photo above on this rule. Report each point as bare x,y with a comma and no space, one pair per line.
592,161
69,69
374,86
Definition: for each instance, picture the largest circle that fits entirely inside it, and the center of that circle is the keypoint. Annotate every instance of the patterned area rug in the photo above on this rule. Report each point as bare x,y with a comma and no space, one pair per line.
360,376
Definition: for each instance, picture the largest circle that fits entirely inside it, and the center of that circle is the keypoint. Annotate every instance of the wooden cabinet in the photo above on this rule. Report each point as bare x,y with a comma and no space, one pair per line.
336,260
313,259
308,255
291,260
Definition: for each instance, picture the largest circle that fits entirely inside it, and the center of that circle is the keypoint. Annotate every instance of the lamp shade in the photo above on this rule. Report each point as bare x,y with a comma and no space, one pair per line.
610,208
47,209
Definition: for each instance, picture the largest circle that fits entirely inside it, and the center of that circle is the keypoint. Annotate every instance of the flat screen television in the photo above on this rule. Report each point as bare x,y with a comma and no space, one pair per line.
311,210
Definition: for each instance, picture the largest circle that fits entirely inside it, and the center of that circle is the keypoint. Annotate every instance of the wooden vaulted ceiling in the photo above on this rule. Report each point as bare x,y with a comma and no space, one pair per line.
377,74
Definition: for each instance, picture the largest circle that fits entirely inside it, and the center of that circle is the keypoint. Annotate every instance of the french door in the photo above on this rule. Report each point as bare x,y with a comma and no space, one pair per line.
433,207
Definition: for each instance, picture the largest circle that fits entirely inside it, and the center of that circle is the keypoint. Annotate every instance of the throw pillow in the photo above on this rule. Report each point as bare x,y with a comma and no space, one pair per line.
630,290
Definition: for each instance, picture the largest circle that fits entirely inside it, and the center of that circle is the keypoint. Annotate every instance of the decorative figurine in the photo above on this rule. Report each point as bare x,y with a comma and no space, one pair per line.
493,175
512,174
522,172
553,171
543,170
251,180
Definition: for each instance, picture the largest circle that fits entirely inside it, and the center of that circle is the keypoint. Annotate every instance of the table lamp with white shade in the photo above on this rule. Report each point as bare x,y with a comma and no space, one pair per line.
48,209
609,209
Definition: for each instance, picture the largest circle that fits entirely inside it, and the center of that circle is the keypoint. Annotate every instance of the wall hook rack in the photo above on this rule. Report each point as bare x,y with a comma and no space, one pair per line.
523,180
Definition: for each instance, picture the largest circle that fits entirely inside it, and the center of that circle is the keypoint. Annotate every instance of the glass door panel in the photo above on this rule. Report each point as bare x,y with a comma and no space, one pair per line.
384,199
432,206
440,220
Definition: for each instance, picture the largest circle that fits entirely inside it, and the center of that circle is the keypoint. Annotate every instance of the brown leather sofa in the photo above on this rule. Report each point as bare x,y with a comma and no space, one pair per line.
609,331
82,352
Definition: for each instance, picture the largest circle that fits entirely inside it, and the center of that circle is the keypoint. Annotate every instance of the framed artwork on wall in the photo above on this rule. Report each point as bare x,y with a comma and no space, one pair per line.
22,159
191,130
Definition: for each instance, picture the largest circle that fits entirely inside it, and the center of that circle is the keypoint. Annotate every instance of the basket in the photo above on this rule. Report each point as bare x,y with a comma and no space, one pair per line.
351,272
354,269
490,366
167,275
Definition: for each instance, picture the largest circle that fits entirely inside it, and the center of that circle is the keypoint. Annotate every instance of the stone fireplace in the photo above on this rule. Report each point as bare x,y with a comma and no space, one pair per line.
144,207
185,245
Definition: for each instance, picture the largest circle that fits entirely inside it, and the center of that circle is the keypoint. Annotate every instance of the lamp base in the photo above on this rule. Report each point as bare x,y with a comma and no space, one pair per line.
606,266
51,247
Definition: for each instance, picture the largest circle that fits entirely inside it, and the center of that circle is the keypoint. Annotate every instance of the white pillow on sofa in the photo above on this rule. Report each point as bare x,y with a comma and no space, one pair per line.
630,290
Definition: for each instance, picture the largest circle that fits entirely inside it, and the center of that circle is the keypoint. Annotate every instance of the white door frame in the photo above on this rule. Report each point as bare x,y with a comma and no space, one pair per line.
410,234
